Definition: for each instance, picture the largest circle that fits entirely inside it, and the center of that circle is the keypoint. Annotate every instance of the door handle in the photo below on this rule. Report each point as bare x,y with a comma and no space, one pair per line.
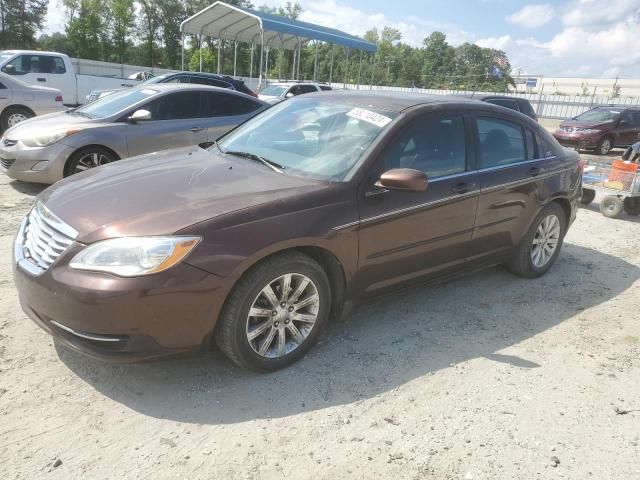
462,187
196,129
534,171
40,79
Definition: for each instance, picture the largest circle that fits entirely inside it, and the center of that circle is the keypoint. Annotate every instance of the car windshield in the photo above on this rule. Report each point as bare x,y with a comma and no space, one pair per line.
273,90
114,103
310,137
602,114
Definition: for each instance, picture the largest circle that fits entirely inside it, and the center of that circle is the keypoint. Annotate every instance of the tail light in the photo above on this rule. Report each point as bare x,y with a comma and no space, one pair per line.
58,98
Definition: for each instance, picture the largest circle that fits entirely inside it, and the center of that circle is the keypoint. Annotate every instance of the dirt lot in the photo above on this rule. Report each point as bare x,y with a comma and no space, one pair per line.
487,377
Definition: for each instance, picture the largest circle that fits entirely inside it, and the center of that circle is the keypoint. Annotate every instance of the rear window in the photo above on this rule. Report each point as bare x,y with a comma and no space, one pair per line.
526,108
325,87
504,102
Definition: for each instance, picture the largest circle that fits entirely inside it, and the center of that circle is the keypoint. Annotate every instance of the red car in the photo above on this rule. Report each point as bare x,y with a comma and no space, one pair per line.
601,129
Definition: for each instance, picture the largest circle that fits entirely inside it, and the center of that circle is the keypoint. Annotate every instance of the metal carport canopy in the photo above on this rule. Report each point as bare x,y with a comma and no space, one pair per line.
239,24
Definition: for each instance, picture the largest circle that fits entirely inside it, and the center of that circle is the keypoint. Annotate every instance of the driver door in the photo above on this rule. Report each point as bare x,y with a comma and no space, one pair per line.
405,235
176,121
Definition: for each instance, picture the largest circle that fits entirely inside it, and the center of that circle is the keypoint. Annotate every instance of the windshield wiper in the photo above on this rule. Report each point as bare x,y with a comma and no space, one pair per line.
272,165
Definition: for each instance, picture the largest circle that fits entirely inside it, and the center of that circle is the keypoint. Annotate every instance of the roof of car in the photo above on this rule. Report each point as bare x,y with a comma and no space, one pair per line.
161,87
505,97
393,101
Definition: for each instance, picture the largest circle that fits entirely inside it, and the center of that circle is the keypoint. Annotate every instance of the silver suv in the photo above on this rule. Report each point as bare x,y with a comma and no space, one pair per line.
278,91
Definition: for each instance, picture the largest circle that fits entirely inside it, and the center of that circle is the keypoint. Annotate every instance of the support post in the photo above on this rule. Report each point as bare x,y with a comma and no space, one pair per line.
333,48
219,53
315,64
346,69
280,59
359,69
251,66
200,52
235,57
261,55
299,59
373,70
266,66
293,66
182,37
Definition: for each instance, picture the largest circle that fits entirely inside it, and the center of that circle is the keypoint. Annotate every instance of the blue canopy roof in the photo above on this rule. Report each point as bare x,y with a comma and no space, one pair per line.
229,22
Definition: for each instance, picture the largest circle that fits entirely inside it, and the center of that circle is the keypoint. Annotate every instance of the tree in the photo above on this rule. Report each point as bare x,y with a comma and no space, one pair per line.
20,20
121,25
86,29
438,60
149,23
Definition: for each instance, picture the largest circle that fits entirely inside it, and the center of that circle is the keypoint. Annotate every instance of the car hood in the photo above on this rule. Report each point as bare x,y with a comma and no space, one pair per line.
48,123
584,124
165,192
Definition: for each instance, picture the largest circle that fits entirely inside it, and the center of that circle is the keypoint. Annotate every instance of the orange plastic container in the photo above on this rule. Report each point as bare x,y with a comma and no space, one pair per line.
622,174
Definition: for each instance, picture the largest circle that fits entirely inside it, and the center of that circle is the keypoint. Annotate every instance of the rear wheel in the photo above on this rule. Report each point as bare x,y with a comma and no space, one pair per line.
14,115
87,158
275,312
611,206
588,196
632,206
541,245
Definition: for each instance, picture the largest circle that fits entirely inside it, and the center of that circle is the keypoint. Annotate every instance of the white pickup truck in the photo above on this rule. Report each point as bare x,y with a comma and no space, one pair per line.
56,70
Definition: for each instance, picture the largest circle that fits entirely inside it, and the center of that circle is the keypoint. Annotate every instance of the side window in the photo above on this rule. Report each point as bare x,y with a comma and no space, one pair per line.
545,147
176,106
295,90
307,89
58,66
2,87
14,67
433,144
503,102
526,108
223,105
211,81
501,142
532,153
179,79
635,118
325,87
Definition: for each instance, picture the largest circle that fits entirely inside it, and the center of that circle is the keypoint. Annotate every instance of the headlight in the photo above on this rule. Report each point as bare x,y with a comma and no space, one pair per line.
134,256
587,130
46,139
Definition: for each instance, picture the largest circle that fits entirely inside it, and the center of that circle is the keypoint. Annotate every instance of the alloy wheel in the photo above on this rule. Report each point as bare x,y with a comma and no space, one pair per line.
282,315
605,146
91,160
546,241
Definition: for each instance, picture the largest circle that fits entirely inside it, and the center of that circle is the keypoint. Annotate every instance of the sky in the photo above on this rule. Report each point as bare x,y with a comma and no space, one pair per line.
587,38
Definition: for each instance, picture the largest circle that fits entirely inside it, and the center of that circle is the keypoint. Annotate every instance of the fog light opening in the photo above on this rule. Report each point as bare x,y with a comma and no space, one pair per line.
40,166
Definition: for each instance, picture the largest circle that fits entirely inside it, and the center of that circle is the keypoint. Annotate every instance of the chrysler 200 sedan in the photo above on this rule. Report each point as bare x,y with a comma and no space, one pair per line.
290,219
125,124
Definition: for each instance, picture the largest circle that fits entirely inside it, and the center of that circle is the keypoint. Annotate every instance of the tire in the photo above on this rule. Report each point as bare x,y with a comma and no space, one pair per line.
87,158
236,325
526,262
632,206
588,196
611,206
605,146
13,115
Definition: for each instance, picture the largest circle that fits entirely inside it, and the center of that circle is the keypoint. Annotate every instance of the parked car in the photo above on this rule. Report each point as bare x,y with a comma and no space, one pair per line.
212,79
601,129
52,69
128,123
20,101
514,103
278,91
288,220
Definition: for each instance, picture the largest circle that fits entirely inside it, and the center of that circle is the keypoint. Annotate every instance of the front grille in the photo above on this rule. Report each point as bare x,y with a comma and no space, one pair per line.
7,162
9,143
567,129
46,237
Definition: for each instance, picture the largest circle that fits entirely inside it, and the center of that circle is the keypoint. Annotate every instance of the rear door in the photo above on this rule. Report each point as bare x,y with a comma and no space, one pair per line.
629,128
176,121
223,111
511,170
405,235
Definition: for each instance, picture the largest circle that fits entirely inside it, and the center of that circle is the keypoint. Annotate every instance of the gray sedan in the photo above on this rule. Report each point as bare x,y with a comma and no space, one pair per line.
132,122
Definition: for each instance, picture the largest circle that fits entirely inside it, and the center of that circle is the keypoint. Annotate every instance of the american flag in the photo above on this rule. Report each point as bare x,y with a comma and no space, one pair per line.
501,60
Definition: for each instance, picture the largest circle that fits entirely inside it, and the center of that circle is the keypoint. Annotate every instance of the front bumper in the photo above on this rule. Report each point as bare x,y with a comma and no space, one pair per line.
577,141
121,319
18,161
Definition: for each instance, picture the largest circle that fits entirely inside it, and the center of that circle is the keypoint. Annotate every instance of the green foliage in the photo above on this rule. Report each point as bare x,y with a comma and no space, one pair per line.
20,20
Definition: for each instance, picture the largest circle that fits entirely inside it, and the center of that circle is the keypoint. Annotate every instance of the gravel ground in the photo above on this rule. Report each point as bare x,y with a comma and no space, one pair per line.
486,377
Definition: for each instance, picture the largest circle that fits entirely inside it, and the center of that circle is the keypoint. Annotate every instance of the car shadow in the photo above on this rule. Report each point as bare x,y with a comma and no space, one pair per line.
31,189
384,344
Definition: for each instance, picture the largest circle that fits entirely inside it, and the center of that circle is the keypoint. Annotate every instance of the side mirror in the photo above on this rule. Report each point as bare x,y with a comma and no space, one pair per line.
140,116
9,70
289,95
404,180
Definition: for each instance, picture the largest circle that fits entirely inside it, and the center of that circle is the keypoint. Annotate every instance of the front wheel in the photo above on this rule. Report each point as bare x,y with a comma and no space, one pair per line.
539,248
87,158
275,312
588,196
605,146
632,206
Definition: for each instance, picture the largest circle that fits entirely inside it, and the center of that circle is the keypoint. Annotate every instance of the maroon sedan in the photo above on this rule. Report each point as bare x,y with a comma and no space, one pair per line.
310,207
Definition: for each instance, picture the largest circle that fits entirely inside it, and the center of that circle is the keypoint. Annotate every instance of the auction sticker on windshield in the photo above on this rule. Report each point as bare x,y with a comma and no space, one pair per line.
370,117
